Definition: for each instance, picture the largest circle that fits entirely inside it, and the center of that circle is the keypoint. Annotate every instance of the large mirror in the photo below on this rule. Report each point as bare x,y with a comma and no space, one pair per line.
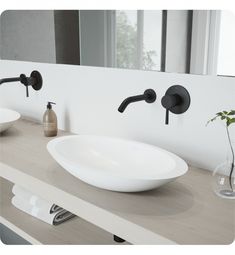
183,41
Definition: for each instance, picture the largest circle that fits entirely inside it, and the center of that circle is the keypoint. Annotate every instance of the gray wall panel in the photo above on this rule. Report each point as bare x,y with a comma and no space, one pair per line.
28,36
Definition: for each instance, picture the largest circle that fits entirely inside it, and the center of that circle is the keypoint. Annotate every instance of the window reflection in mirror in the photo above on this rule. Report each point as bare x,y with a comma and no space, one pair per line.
226,54
137,46
127,39
181,41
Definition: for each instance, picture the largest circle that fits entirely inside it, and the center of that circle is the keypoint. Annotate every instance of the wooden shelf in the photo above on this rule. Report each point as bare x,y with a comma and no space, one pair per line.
74,231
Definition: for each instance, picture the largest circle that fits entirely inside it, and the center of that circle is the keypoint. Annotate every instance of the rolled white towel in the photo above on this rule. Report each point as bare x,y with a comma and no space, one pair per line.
50,218
35,200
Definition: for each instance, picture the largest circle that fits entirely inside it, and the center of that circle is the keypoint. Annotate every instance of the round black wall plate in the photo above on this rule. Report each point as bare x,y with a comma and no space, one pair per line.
185,98
37,76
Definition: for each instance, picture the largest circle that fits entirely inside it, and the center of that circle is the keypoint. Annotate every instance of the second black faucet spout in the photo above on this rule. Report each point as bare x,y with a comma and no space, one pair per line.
4,80
35,80
149,96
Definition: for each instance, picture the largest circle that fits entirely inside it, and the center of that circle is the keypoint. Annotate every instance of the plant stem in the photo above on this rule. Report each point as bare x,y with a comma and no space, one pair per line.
232,165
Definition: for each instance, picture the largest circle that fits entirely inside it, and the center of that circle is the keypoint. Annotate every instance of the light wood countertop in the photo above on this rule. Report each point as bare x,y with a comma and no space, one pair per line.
185,211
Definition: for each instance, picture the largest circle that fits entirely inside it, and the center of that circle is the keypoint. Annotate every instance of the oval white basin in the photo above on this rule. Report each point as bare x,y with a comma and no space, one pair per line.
7,118
116,164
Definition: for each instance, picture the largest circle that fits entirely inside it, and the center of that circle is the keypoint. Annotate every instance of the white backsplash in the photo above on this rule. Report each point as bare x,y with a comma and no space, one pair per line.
88,98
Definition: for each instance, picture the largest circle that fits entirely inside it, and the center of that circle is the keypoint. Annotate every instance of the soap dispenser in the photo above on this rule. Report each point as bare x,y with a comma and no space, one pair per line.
50,121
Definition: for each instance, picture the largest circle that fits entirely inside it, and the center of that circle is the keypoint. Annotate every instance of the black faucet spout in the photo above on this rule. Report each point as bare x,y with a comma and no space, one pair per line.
149,96
35,80
4,80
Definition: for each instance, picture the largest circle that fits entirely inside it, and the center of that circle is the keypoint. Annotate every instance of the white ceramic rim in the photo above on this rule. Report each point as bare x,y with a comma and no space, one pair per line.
179,163
17,115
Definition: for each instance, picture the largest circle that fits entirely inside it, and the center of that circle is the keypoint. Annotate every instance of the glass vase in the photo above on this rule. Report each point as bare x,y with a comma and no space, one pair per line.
223,176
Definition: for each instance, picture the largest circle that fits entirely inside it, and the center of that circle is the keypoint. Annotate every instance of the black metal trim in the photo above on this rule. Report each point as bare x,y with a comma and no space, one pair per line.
164,41
189,40
118,239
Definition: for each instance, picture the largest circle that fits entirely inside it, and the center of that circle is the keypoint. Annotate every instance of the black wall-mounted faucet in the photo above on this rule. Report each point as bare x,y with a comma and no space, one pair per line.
149,96
176,100
35,80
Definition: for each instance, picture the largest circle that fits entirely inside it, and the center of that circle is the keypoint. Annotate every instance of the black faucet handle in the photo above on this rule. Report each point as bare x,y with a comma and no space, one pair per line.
167,117
169,101
176,100
27,90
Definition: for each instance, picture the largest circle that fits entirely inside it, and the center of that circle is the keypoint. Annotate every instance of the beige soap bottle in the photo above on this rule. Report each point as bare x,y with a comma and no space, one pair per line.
50,121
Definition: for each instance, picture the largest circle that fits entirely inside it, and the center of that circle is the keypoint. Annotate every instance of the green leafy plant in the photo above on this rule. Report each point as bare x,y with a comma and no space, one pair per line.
229,118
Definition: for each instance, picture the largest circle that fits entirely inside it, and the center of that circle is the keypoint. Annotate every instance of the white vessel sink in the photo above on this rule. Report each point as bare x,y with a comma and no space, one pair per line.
116,164
7,118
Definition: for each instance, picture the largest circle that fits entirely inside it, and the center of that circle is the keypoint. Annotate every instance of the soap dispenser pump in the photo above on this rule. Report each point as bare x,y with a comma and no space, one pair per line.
50,121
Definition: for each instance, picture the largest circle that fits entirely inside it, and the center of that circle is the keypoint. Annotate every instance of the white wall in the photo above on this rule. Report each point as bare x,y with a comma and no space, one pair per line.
88,97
